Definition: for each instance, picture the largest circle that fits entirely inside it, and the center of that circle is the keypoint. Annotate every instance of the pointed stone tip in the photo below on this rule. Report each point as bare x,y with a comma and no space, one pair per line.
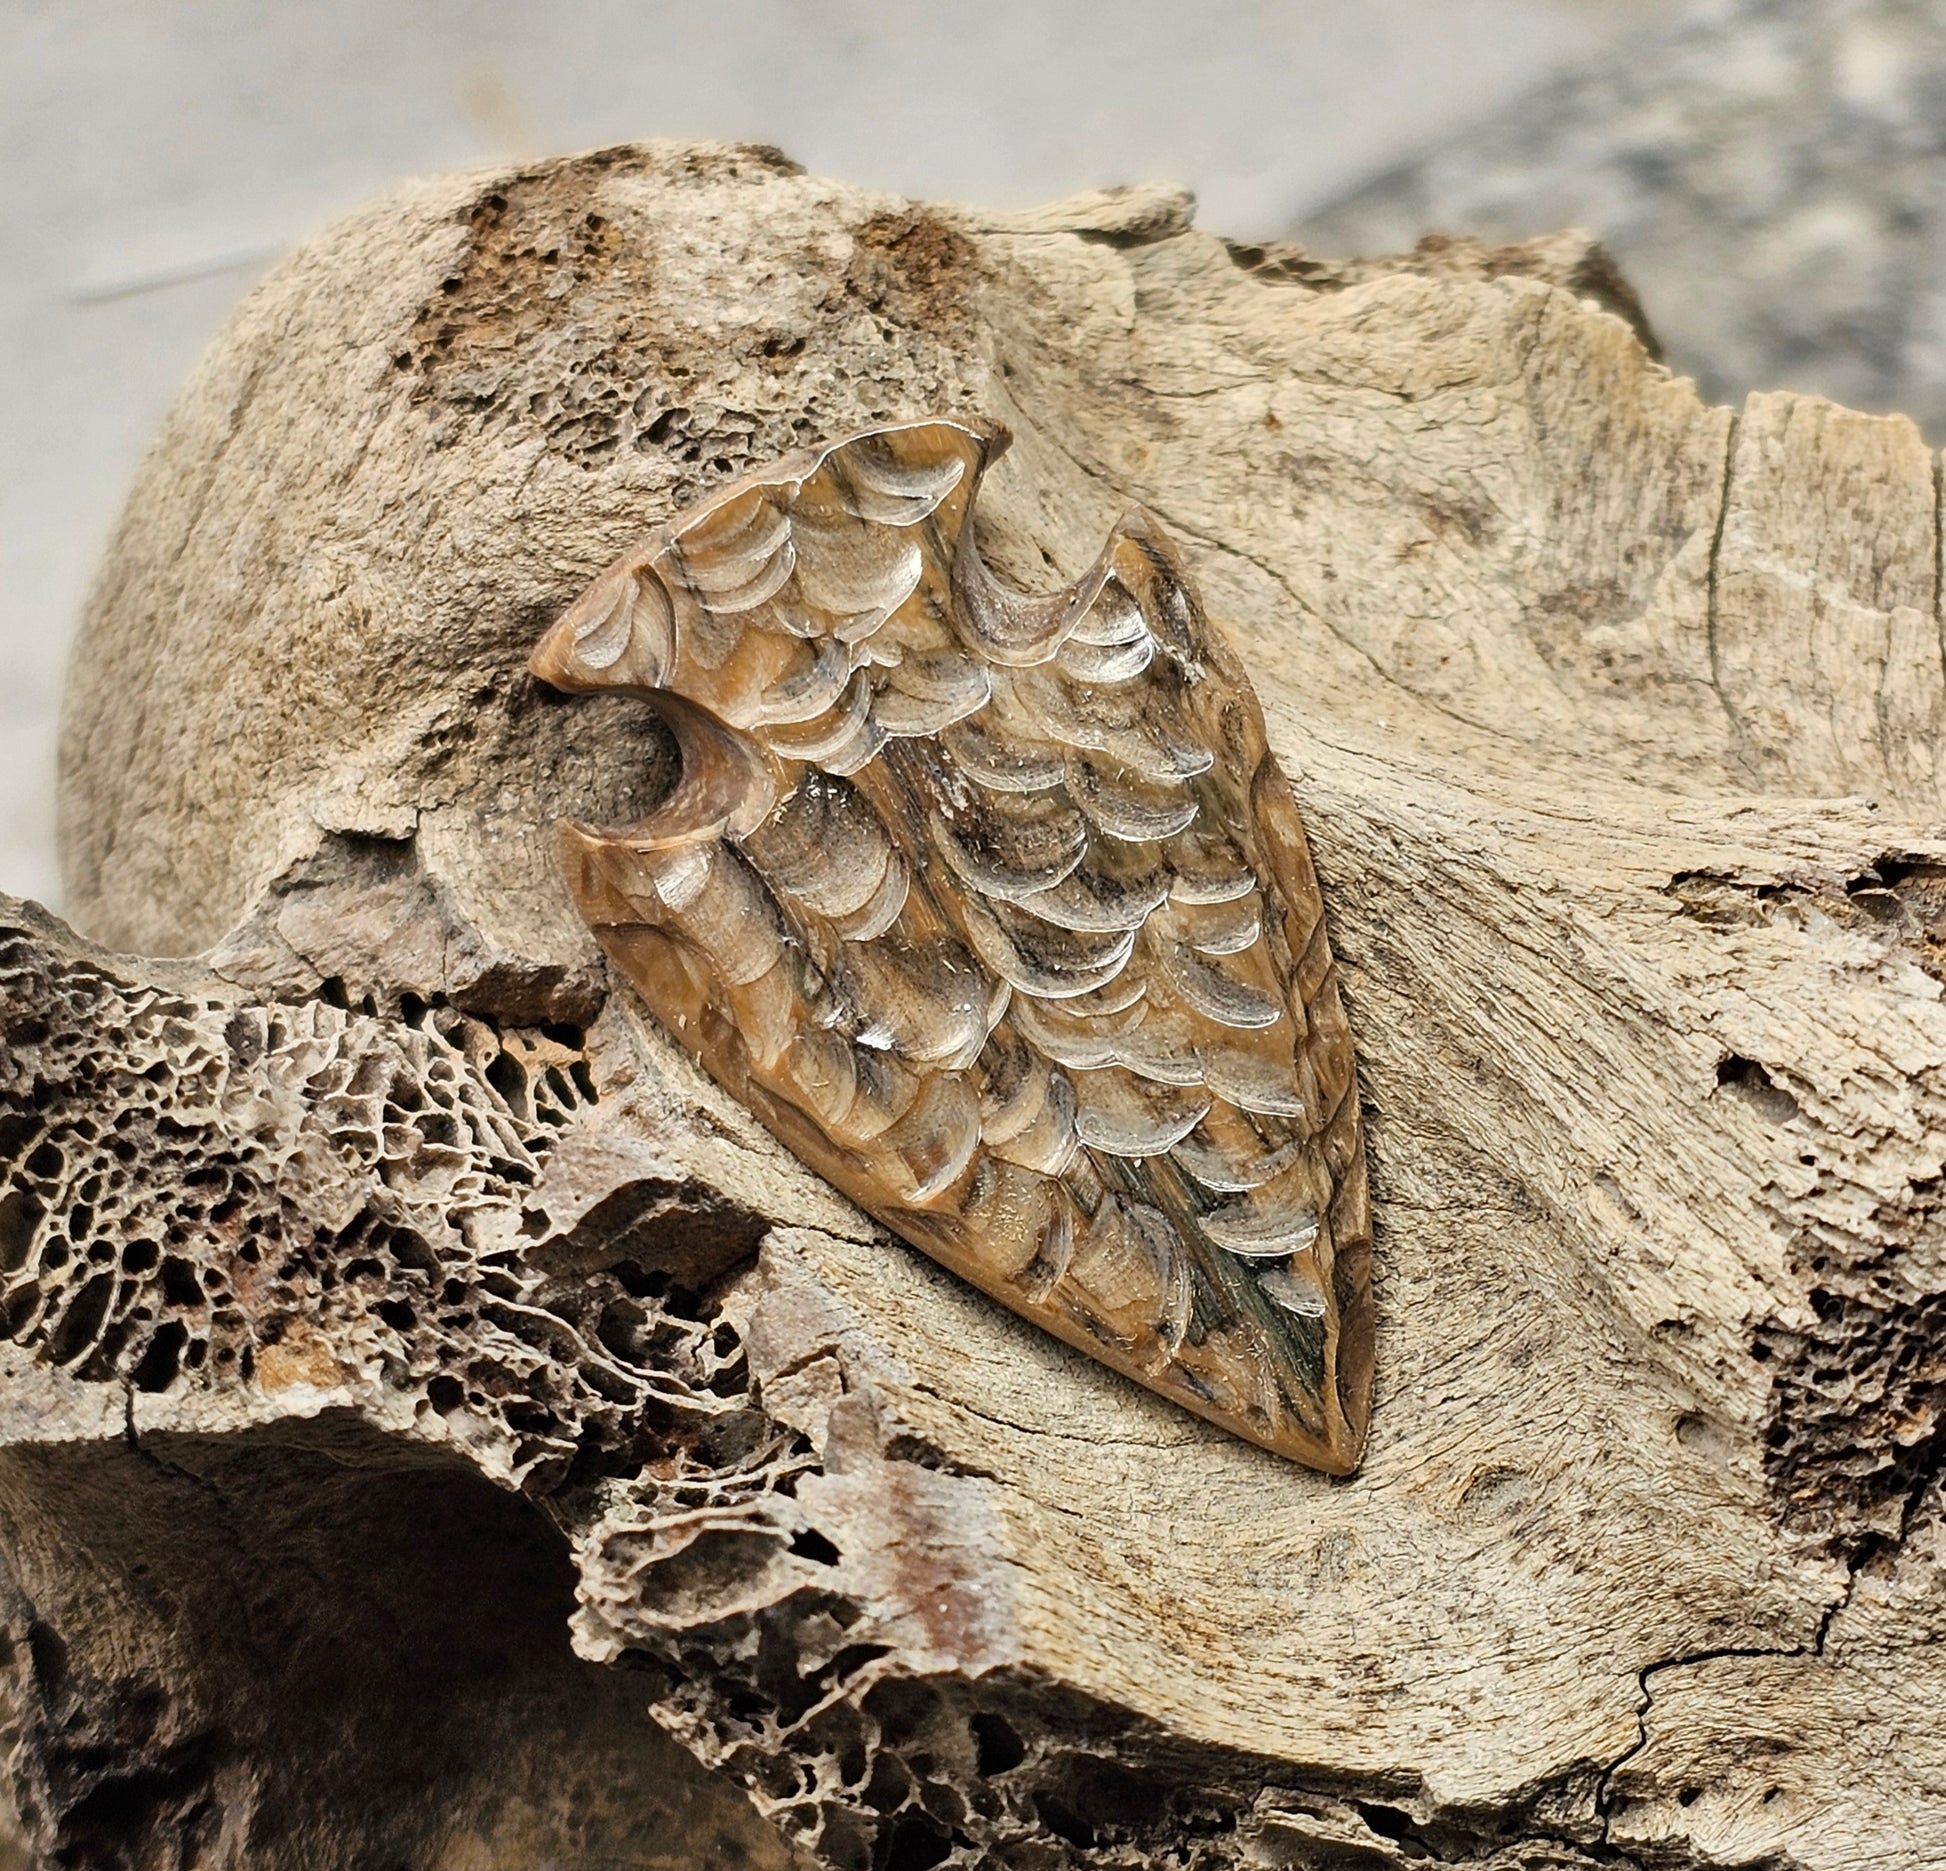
550,658
1337,1452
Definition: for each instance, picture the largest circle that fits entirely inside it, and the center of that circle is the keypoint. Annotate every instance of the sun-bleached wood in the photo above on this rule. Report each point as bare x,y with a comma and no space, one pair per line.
1616,721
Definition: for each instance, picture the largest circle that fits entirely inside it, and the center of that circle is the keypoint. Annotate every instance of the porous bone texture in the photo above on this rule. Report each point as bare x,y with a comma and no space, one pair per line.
1616,720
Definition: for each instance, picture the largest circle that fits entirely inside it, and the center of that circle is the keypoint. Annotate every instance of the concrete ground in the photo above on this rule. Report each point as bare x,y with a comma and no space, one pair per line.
157,154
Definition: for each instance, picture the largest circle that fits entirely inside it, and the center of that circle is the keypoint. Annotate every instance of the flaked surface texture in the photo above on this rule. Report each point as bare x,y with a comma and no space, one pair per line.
997,911
1615,720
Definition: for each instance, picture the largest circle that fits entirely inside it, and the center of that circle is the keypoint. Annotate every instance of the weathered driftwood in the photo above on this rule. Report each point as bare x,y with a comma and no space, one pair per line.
1616,721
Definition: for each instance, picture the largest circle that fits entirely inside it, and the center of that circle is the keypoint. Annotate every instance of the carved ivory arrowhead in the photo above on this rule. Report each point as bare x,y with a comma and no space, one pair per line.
997,911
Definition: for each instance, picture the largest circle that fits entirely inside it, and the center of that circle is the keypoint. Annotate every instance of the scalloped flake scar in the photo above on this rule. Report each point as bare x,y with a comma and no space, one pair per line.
996,910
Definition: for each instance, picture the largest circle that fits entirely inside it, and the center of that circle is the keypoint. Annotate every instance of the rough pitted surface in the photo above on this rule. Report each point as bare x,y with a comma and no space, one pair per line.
341,1215
369,1195
1768,175
622,381
1617,721
1857,1431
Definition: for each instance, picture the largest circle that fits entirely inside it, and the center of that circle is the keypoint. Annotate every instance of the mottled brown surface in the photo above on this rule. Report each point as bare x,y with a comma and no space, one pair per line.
995,908
1617,721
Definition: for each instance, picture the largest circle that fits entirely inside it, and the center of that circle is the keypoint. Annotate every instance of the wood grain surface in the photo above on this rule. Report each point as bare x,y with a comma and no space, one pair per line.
1616,723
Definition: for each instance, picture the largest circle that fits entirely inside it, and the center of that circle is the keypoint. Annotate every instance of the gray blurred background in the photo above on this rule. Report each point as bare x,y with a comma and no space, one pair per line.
1771,173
